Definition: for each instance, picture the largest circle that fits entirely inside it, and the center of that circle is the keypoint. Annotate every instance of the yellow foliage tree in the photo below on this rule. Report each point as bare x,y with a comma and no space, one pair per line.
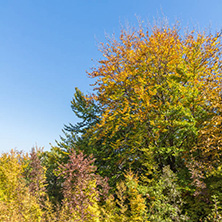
16,202
159,94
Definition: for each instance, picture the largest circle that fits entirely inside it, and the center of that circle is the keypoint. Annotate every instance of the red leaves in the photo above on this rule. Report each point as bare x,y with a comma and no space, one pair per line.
82,187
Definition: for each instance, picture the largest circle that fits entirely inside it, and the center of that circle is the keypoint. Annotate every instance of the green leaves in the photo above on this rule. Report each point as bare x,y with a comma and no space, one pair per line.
157,110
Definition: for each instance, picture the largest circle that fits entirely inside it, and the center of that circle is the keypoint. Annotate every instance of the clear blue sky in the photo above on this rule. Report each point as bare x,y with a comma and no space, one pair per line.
46,47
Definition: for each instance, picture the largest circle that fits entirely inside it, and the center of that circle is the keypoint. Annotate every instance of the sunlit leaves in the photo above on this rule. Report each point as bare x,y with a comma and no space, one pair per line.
160,89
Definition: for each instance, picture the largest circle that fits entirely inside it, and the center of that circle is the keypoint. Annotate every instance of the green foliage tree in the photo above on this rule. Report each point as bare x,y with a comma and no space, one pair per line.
166,203
215,215
51,161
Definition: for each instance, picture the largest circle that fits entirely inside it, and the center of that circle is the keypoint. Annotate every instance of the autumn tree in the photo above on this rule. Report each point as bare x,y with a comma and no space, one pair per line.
16,202
157,97
153,126
157,102
82,188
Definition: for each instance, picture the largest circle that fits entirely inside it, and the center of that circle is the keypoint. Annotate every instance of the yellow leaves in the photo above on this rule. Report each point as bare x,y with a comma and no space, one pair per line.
159,83
130,205
16,201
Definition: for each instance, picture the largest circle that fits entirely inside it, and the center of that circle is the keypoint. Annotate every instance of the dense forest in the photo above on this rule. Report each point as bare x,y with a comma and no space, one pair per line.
148,143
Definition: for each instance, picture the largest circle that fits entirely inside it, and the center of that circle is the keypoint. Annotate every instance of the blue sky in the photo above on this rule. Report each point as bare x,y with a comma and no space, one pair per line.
46,47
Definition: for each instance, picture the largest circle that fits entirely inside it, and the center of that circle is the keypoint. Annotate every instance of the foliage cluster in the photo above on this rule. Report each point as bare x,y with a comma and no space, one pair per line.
149,143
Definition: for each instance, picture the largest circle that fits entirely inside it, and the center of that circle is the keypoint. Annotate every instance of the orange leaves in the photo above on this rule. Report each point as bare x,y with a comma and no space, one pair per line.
158,89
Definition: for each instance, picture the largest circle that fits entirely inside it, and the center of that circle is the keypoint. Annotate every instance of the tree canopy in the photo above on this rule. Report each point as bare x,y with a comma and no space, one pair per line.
152,126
